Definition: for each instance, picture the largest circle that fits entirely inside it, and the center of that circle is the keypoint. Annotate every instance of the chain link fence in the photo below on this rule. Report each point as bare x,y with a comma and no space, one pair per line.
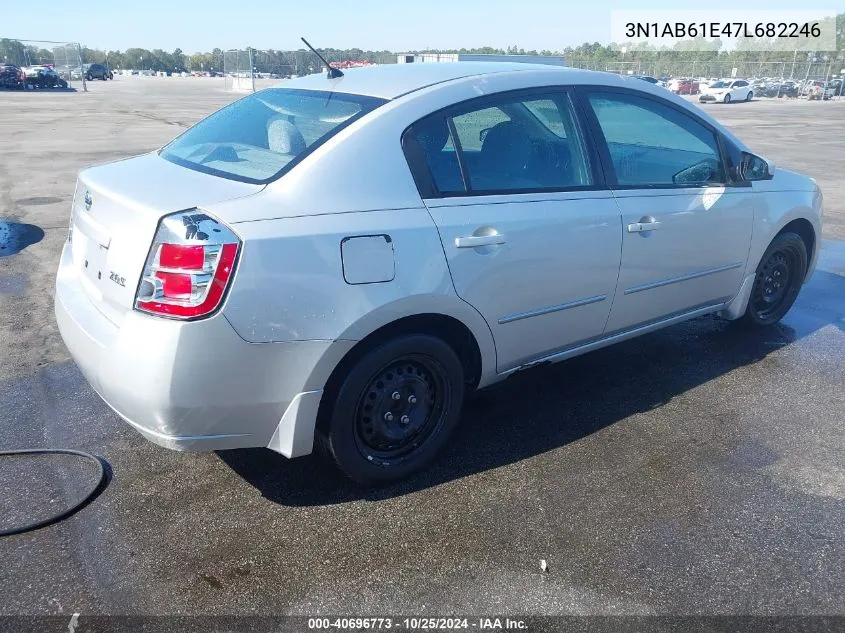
276,64
272,64
794,78
42,64
815,70
238,73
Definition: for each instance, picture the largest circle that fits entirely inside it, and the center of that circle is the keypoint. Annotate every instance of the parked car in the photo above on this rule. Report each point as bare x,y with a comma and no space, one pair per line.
786,88
11,77
98,71
814,90
43,77
727,91
651,80
683,86
337,262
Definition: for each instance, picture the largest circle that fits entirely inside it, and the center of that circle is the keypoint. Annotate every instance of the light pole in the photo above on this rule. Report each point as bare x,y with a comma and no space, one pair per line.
810,59
841,58
826,77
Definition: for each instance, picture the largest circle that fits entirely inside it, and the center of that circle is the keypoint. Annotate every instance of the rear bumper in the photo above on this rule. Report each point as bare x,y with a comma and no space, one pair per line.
196,386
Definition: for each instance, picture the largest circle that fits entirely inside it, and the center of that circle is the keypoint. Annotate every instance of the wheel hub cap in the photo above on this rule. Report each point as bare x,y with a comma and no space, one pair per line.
772,283
397,407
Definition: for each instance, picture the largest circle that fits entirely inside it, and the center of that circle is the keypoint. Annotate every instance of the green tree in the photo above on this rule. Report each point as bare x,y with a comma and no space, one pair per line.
12,52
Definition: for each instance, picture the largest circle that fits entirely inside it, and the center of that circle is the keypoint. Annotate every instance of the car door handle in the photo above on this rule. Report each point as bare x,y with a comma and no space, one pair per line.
472,241
642,227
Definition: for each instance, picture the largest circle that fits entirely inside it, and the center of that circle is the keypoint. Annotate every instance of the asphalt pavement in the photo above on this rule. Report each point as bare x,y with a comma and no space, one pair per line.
696,470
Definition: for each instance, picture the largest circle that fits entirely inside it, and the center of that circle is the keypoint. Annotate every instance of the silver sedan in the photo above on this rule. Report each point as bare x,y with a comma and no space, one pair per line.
336,261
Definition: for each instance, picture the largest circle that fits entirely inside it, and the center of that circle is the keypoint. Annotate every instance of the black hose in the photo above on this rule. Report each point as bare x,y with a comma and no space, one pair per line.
103,476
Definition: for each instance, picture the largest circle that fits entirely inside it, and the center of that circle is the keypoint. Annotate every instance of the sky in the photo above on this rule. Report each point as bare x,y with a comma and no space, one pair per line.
396,25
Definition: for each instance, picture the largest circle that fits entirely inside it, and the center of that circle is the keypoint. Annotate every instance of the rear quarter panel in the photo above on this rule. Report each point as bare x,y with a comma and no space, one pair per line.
290,286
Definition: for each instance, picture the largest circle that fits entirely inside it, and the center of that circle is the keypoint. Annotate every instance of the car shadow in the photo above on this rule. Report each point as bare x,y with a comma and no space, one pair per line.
549,407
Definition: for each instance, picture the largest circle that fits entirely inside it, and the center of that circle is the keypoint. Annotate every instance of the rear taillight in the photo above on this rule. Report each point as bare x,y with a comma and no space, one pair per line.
189,267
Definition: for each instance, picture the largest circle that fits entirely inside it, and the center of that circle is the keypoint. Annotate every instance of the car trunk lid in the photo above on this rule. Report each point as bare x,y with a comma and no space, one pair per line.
116,211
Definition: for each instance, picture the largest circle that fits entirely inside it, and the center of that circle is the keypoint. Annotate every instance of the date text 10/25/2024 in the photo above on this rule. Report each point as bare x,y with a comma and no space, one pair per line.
419,624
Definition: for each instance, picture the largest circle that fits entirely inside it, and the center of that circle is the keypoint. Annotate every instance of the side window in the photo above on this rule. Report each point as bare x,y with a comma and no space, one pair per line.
473,127
433,142
514,144
548,114
526,143
654,144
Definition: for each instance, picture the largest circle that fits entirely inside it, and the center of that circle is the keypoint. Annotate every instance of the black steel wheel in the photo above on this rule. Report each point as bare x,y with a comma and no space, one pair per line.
401,407
395,409
779,277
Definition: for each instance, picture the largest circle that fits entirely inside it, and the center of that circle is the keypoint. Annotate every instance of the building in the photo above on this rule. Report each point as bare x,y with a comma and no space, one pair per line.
409,58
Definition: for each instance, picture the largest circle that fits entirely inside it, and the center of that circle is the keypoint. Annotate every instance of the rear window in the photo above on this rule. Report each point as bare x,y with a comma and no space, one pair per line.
257,138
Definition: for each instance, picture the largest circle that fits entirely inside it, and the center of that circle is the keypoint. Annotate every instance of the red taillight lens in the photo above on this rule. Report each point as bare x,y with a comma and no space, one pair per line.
181,256
186,277
175,285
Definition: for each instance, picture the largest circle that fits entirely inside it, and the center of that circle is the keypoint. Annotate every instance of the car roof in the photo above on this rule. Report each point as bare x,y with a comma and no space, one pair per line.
390,81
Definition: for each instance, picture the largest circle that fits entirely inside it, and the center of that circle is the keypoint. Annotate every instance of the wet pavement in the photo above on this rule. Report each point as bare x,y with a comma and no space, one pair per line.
696,470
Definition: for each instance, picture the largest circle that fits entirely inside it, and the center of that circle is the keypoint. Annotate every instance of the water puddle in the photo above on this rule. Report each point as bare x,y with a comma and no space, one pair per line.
16,236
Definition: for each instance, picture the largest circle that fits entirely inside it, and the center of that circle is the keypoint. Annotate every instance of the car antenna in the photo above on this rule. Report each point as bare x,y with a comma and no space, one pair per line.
332,73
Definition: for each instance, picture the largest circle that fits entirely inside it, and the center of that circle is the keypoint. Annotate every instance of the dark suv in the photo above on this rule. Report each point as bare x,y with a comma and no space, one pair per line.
98,71
11,77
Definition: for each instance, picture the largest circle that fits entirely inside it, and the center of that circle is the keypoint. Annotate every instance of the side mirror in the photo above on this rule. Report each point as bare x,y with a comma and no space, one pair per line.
753,167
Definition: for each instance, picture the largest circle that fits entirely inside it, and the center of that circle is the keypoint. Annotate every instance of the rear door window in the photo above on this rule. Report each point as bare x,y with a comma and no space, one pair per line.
504,145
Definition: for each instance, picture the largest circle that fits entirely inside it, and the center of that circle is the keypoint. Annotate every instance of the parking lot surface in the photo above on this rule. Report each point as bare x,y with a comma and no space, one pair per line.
696,470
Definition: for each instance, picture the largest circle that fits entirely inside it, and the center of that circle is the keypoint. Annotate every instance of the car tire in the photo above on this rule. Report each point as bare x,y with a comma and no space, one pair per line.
375,437
771,296
749,96
727,98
